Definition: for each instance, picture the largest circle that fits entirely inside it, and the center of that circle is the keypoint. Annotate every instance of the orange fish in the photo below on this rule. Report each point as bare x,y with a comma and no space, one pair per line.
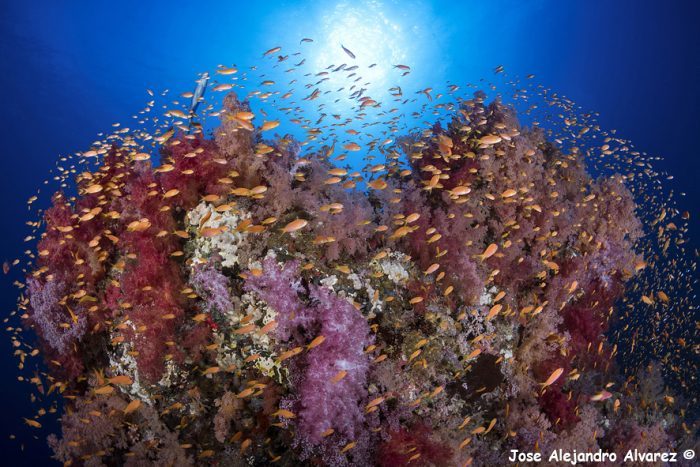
553,377
104,390
601,396
283,413
132,406
339,376
290,353
295,225
316,342
494,311
489,252
270,125
272,51
268,327
121,380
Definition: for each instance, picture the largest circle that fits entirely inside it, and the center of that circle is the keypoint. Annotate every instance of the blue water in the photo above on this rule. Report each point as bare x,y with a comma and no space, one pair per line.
68,71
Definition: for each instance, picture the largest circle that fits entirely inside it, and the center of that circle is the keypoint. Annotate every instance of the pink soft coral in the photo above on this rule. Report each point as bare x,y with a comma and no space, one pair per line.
405,444
320,402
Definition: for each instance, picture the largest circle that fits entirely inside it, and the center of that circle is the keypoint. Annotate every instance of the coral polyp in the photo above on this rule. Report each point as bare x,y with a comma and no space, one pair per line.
230,298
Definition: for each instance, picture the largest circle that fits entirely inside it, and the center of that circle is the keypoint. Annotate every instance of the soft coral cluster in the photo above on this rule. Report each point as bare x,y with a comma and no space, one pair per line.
300,189
213,287
413,444
565,243
321,401
384,332
152,279
54,323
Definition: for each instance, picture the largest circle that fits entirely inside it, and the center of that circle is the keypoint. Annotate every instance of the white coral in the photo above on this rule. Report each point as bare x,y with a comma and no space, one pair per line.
227,243
394,266
122,362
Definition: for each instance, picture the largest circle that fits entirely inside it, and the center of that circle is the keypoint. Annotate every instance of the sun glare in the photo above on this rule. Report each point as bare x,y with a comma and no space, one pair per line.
370,34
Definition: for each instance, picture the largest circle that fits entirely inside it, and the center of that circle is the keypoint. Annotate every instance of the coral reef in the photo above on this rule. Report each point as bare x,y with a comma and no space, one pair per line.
244,301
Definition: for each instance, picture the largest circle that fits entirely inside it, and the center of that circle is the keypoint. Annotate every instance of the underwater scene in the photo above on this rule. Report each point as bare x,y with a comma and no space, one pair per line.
372,233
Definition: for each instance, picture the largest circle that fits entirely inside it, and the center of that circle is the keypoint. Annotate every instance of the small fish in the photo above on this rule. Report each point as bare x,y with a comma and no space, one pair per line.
32,423
374,402
268,327
295,225
245,329
227,71
198,318
269,125
494,311
283,413
491,425
474,353
339,376
350,54
316,342
121,380
289,354
211,370
601,396
177,113
245,393
348,447
553,377
460,190
247,116
378,184
412,217
488,252
92,189
104,390
489,140
132,406
171,193
272,51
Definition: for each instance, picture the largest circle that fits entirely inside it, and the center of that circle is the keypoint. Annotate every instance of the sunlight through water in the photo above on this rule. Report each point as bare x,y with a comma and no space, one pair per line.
371,35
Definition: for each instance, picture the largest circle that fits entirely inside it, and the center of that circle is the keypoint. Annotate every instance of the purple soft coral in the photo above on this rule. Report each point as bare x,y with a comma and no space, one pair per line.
325,403
213,287
47,315
280,289
321,402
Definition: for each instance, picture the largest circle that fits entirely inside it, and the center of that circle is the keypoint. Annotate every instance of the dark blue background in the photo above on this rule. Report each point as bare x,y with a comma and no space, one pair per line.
70,69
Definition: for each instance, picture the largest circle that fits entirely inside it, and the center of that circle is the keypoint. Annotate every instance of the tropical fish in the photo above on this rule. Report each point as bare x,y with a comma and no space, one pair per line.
295,225
350,54
553,377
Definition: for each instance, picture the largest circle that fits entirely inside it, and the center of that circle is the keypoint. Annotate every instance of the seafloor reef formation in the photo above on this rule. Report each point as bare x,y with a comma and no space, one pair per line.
242,303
